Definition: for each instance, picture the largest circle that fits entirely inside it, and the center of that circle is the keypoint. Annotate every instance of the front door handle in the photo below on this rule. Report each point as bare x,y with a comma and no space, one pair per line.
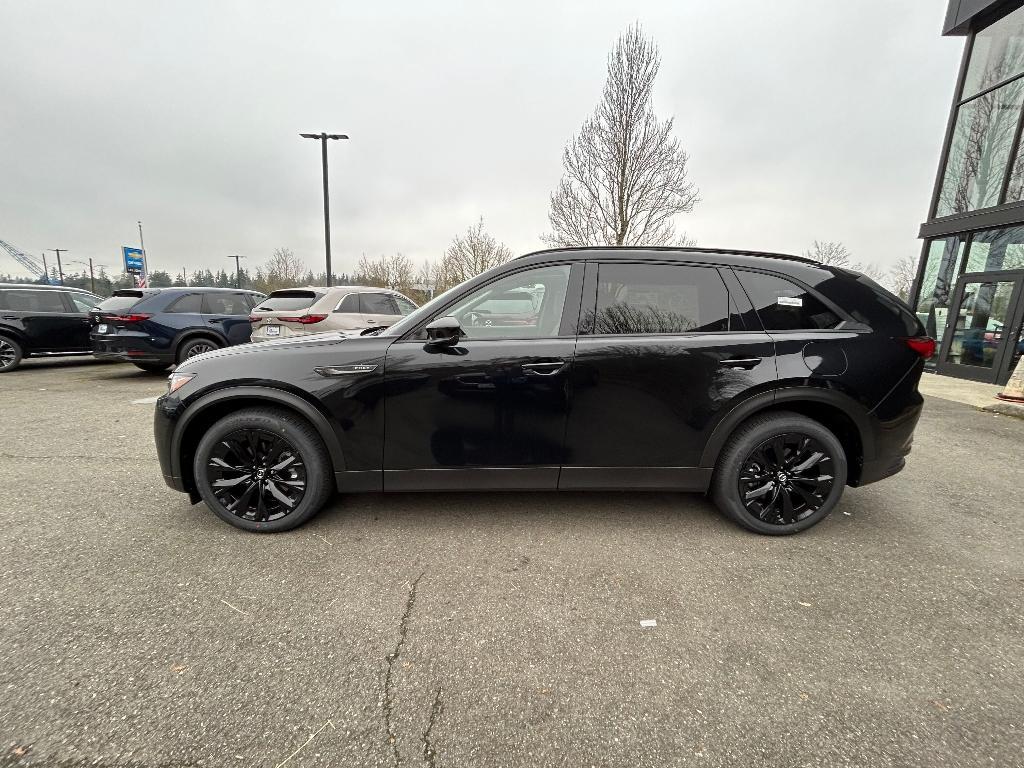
547,368
741,362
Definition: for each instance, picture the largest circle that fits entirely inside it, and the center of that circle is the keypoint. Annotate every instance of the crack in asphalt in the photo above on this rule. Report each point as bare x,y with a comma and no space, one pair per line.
436,710
389,704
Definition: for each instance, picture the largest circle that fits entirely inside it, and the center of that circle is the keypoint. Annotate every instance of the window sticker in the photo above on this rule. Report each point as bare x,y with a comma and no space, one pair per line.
790,301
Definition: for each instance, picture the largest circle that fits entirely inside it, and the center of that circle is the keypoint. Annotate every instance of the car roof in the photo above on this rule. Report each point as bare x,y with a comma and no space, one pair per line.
187,288
337,288
690,254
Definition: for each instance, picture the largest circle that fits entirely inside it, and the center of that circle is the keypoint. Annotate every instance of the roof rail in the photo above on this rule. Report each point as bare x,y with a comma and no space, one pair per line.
674,249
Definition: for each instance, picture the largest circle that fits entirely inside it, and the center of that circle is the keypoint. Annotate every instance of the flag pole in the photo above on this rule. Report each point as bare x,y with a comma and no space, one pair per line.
145,264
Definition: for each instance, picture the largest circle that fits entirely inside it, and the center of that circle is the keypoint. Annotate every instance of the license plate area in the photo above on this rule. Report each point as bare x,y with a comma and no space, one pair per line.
273,330
101,328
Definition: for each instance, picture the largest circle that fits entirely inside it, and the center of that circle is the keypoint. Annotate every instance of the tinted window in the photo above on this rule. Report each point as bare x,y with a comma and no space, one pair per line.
349,304
35,301
83,302
785,306
377,304
288,301
659,298
190,303
404,305
997,53
224,304
546,286
121,300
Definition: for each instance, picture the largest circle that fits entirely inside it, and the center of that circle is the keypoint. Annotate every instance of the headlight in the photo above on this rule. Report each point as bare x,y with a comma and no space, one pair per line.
178,380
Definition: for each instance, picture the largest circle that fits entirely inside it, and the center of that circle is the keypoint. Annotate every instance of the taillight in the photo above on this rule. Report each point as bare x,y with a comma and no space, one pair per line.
130,318
253,319
923,345
305,319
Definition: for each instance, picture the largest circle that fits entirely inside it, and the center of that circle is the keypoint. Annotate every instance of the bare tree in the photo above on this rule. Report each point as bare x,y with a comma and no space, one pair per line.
394,272
468,255
284,269
830,253
624,173
902,275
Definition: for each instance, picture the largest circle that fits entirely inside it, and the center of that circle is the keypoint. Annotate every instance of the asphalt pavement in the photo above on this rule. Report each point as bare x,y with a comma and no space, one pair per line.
497,629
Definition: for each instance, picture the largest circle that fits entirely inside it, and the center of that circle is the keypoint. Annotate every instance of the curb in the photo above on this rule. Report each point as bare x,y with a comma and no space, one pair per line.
1004,408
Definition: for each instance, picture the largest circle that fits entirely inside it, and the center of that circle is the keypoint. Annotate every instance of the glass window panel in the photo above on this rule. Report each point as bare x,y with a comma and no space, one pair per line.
980,324
998,53
941,269
521,306
980,150
189,304
785,306
996,249
377,304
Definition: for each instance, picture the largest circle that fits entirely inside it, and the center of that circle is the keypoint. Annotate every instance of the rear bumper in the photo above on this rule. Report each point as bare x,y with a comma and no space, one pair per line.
893,441
132,349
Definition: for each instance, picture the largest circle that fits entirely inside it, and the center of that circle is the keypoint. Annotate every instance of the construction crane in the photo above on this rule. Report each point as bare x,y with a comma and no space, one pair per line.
38,270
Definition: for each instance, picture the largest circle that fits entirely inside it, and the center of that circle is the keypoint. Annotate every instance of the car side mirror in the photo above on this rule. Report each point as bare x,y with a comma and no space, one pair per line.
444,332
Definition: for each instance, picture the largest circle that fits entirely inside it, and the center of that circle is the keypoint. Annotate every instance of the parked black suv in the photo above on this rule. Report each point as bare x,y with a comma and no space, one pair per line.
43,320
158,327
771,381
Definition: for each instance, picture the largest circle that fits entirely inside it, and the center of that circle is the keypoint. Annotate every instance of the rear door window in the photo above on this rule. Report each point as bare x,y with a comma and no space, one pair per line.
349,304
377,304
782,305
35,301
659,298
288,301
224,304
190,303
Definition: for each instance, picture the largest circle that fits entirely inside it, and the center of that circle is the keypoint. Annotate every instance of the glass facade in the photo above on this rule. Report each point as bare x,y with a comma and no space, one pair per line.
982,158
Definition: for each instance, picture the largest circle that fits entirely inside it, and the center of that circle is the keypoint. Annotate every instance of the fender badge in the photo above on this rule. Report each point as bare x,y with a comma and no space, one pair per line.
343,370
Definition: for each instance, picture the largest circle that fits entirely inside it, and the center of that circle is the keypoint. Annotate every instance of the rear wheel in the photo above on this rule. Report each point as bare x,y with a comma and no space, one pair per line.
780,473
263,470
11,354
194,347
153,367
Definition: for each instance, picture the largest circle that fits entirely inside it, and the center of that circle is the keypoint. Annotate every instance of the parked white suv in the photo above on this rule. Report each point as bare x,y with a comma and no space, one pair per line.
300,311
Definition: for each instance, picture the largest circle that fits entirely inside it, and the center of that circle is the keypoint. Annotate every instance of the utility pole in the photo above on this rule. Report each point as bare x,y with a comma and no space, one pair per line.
323,137
46,270
238,270
60,269
145,263
92,277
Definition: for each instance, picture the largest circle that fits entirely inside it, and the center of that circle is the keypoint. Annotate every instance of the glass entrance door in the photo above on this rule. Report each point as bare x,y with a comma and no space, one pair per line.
982,337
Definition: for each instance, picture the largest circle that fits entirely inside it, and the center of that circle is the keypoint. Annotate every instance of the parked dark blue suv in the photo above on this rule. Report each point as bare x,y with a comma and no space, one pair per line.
156,328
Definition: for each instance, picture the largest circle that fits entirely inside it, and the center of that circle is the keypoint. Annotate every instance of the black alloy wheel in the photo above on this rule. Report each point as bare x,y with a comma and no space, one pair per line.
10,354
263,469
779,473
786,479
257,475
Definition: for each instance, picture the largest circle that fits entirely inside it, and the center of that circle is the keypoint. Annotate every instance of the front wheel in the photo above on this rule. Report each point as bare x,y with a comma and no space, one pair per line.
263,470
780,473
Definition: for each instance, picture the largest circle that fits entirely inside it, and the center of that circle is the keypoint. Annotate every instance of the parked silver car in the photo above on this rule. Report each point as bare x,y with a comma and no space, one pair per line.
301,311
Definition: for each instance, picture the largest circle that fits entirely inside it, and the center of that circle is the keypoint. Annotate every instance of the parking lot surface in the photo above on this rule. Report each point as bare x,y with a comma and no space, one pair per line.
496,629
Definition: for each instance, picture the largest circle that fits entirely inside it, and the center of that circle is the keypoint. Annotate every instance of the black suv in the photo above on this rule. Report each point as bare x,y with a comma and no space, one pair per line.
43,320
771,381
158,327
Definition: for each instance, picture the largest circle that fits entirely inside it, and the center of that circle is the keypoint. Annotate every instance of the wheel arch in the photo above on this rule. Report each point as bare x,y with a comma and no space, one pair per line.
839,413
213,406
16,336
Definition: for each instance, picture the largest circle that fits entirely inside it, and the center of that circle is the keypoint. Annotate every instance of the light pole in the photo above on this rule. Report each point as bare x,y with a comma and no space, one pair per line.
60,269
323,137
145,261
238,270
92,277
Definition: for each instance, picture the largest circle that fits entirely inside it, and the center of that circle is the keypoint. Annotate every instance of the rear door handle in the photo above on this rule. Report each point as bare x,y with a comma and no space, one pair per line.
547,368
741,362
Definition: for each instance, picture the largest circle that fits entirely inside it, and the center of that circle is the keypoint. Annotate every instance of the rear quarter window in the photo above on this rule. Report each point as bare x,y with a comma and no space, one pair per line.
782,305
190,303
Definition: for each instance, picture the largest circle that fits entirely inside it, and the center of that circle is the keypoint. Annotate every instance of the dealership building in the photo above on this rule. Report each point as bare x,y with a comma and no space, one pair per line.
969,288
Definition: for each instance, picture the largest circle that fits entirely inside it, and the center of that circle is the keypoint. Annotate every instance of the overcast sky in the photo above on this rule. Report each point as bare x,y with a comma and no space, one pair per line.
803,120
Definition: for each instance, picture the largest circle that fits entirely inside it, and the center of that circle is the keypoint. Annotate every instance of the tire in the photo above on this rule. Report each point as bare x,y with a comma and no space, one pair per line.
11,354
153,367
194,347
763,494
233,440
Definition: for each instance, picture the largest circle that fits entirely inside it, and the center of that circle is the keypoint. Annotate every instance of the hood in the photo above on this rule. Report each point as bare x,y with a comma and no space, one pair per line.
310,340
